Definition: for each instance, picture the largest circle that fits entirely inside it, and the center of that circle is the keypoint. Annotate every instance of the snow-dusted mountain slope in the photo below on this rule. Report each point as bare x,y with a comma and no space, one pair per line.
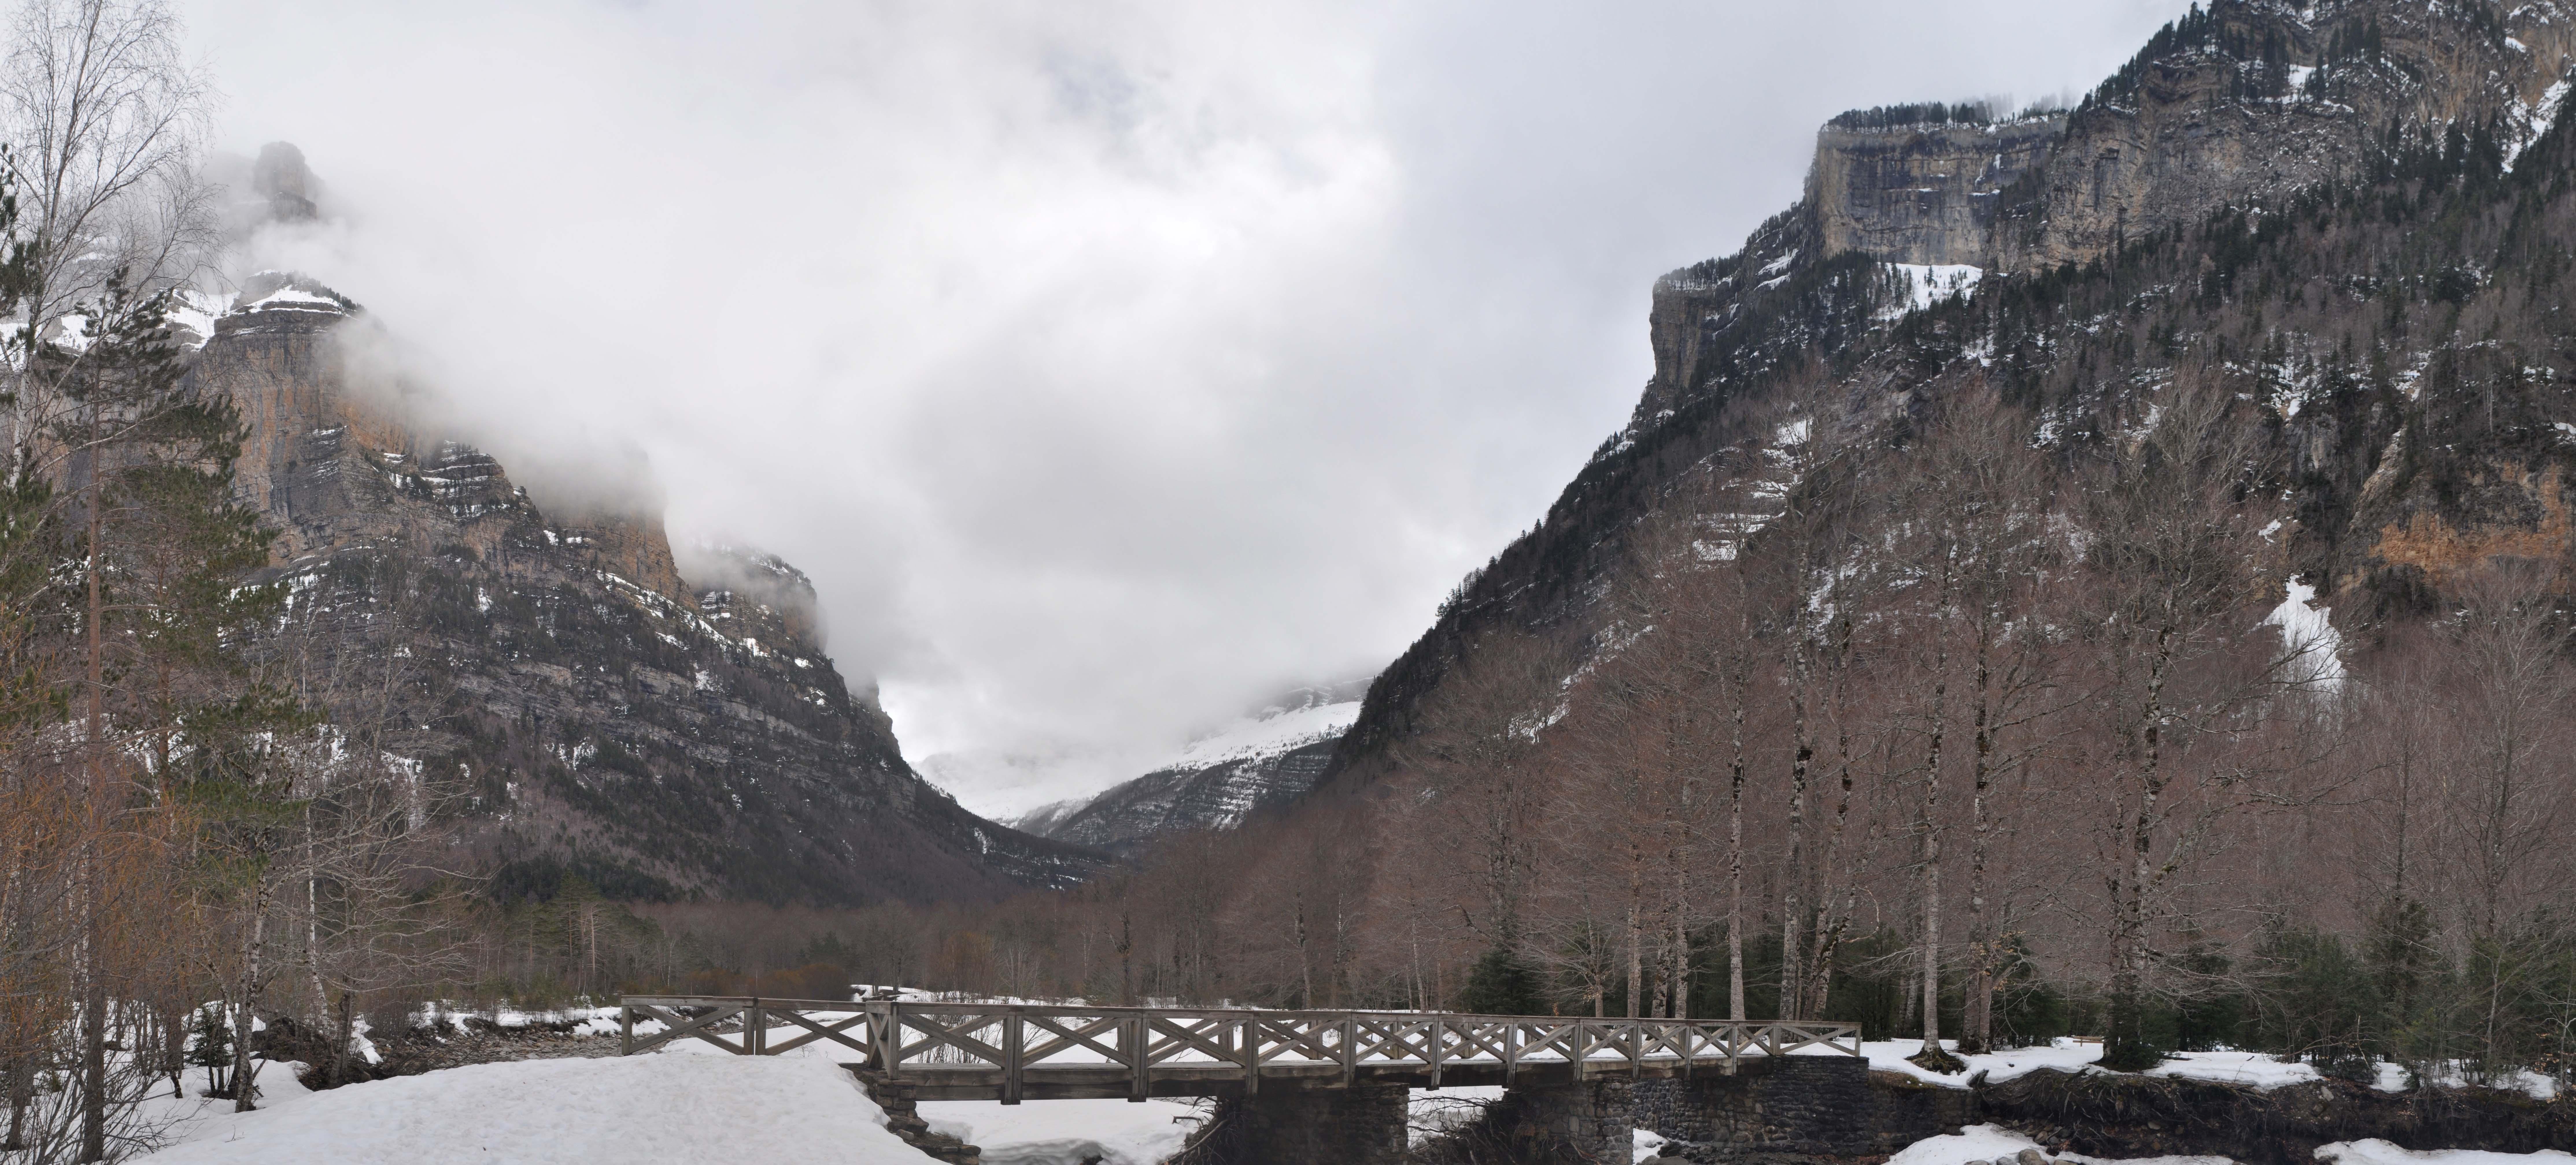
1263,761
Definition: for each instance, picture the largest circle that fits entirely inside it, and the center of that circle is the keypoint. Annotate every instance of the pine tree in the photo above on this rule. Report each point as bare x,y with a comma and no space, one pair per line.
210,1046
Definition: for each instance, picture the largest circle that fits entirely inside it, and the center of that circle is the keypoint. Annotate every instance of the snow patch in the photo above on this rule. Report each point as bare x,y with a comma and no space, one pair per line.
2378,1152
1928,284
1980,1143
2534,120
1066,1132
2315,647
292,297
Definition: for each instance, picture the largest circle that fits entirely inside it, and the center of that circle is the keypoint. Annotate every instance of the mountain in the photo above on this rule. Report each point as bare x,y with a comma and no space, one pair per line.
1263,762
599,710
2349,214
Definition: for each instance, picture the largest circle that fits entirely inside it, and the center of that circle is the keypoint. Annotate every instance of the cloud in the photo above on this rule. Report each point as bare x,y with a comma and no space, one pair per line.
1108,366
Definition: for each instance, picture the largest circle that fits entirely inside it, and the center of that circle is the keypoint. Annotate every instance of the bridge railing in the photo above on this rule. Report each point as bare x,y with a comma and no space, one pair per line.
1134,1044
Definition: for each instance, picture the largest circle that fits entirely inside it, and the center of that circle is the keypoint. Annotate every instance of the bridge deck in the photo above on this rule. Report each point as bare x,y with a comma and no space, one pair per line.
1010,1053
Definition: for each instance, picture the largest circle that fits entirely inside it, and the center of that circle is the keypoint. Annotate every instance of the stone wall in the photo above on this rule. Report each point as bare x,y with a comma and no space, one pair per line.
1903,1110
1828,1105
1360,1125
1589,1121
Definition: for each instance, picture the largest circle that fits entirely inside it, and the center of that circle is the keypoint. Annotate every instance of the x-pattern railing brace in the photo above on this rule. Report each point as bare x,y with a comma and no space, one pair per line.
1139,1045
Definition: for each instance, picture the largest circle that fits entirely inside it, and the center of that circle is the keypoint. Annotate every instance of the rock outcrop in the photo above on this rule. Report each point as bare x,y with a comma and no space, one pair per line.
594,712
1922,193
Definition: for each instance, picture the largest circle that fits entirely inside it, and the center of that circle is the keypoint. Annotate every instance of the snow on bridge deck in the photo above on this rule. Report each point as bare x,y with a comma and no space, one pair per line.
1015,1052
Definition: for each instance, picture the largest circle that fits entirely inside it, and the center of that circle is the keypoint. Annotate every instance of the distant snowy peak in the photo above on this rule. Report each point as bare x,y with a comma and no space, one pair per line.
1275,731
1259,764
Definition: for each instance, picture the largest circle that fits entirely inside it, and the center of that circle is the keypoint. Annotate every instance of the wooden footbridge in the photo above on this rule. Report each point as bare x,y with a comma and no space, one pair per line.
1011,1053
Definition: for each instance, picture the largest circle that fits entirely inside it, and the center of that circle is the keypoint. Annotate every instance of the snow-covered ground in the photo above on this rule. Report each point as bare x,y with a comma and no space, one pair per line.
700,1103
676,1109
1978,1144
1983,1143
2258,1069
1066,1132
2378,1152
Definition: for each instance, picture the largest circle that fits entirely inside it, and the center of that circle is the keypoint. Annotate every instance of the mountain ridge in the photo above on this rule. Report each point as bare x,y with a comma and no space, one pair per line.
595,712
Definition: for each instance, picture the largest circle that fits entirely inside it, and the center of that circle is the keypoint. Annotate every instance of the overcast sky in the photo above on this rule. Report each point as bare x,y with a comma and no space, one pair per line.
1109,366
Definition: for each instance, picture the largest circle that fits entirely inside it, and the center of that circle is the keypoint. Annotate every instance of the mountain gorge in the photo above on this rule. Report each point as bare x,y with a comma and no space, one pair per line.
550,674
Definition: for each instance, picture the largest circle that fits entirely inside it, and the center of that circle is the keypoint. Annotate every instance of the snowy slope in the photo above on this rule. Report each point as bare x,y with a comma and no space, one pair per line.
1275,732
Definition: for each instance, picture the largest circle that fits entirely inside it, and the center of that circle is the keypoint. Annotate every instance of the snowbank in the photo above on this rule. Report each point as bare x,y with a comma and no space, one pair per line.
676,1109
1983,1143
2376,1152
1065,1132
2257,1069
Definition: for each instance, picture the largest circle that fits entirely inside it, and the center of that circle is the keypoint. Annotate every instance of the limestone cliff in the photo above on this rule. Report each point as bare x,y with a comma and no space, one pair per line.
597,713
2246,102
1923,193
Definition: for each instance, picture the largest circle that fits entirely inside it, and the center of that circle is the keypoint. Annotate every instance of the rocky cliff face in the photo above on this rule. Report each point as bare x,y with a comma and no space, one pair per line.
595,712
1922,193
2345,211
2247,101
1262,764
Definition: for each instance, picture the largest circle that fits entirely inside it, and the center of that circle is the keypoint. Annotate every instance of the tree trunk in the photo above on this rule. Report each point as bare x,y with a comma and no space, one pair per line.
246,1014
1793,874
1681,942
2125,1046
1980,989
1932,862
93,1146
1636,951
1735,869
